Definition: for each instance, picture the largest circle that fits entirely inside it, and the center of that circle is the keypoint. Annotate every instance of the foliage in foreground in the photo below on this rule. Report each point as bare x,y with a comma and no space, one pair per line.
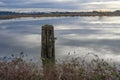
75,69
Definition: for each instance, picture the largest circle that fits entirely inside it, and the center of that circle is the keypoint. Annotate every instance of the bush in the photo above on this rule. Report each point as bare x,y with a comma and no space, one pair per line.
75,69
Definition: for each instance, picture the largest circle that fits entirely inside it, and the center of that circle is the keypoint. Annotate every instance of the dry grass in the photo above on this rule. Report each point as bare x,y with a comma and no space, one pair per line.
75,69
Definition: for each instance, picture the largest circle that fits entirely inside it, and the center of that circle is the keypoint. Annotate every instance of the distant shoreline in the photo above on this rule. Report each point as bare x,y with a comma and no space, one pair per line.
61,14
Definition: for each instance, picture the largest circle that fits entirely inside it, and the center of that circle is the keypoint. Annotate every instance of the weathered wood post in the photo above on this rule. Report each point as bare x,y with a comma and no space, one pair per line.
48,45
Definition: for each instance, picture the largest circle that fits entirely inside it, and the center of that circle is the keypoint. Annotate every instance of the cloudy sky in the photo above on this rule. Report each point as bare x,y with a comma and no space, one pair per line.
61,5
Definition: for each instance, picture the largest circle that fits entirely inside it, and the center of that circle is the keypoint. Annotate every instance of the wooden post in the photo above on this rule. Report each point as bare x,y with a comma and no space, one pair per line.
48,45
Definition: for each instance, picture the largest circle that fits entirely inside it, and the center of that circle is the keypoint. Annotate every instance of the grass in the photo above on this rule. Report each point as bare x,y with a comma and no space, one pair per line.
75,69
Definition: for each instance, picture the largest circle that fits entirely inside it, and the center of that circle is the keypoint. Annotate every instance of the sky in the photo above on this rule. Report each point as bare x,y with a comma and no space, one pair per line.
59,5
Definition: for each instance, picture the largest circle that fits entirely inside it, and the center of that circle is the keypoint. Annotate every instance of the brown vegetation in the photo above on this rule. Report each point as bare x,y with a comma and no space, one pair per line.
57,15
75,69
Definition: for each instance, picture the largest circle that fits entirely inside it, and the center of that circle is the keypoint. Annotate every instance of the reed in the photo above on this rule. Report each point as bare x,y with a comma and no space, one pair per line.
75,69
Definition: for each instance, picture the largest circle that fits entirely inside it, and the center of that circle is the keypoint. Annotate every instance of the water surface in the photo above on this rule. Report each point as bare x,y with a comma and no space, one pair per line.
76,36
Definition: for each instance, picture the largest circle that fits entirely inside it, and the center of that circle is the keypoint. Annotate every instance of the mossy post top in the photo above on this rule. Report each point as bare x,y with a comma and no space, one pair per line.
47,26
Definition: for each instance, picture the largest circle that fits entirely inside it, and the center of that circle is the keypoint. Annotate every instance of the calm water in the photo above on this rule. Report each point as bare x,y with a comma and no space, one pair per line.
75,35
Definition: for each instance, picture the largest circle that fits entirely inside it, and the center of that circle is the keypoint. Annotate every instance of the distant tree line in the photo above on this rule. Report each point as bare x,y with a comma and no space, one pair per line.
10,15
38,13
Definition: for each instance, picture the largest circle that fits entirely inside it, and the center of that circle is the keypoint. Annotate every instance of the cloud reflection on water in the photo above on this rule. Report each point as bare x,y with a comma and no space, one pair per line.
77,34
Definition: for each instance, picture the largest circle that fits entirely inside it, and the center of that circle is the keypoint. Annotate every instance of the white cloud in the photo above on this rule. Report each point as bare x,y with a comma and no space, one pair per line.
1,3
61,5
53,0
47,1
32,9
102,5
104,2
